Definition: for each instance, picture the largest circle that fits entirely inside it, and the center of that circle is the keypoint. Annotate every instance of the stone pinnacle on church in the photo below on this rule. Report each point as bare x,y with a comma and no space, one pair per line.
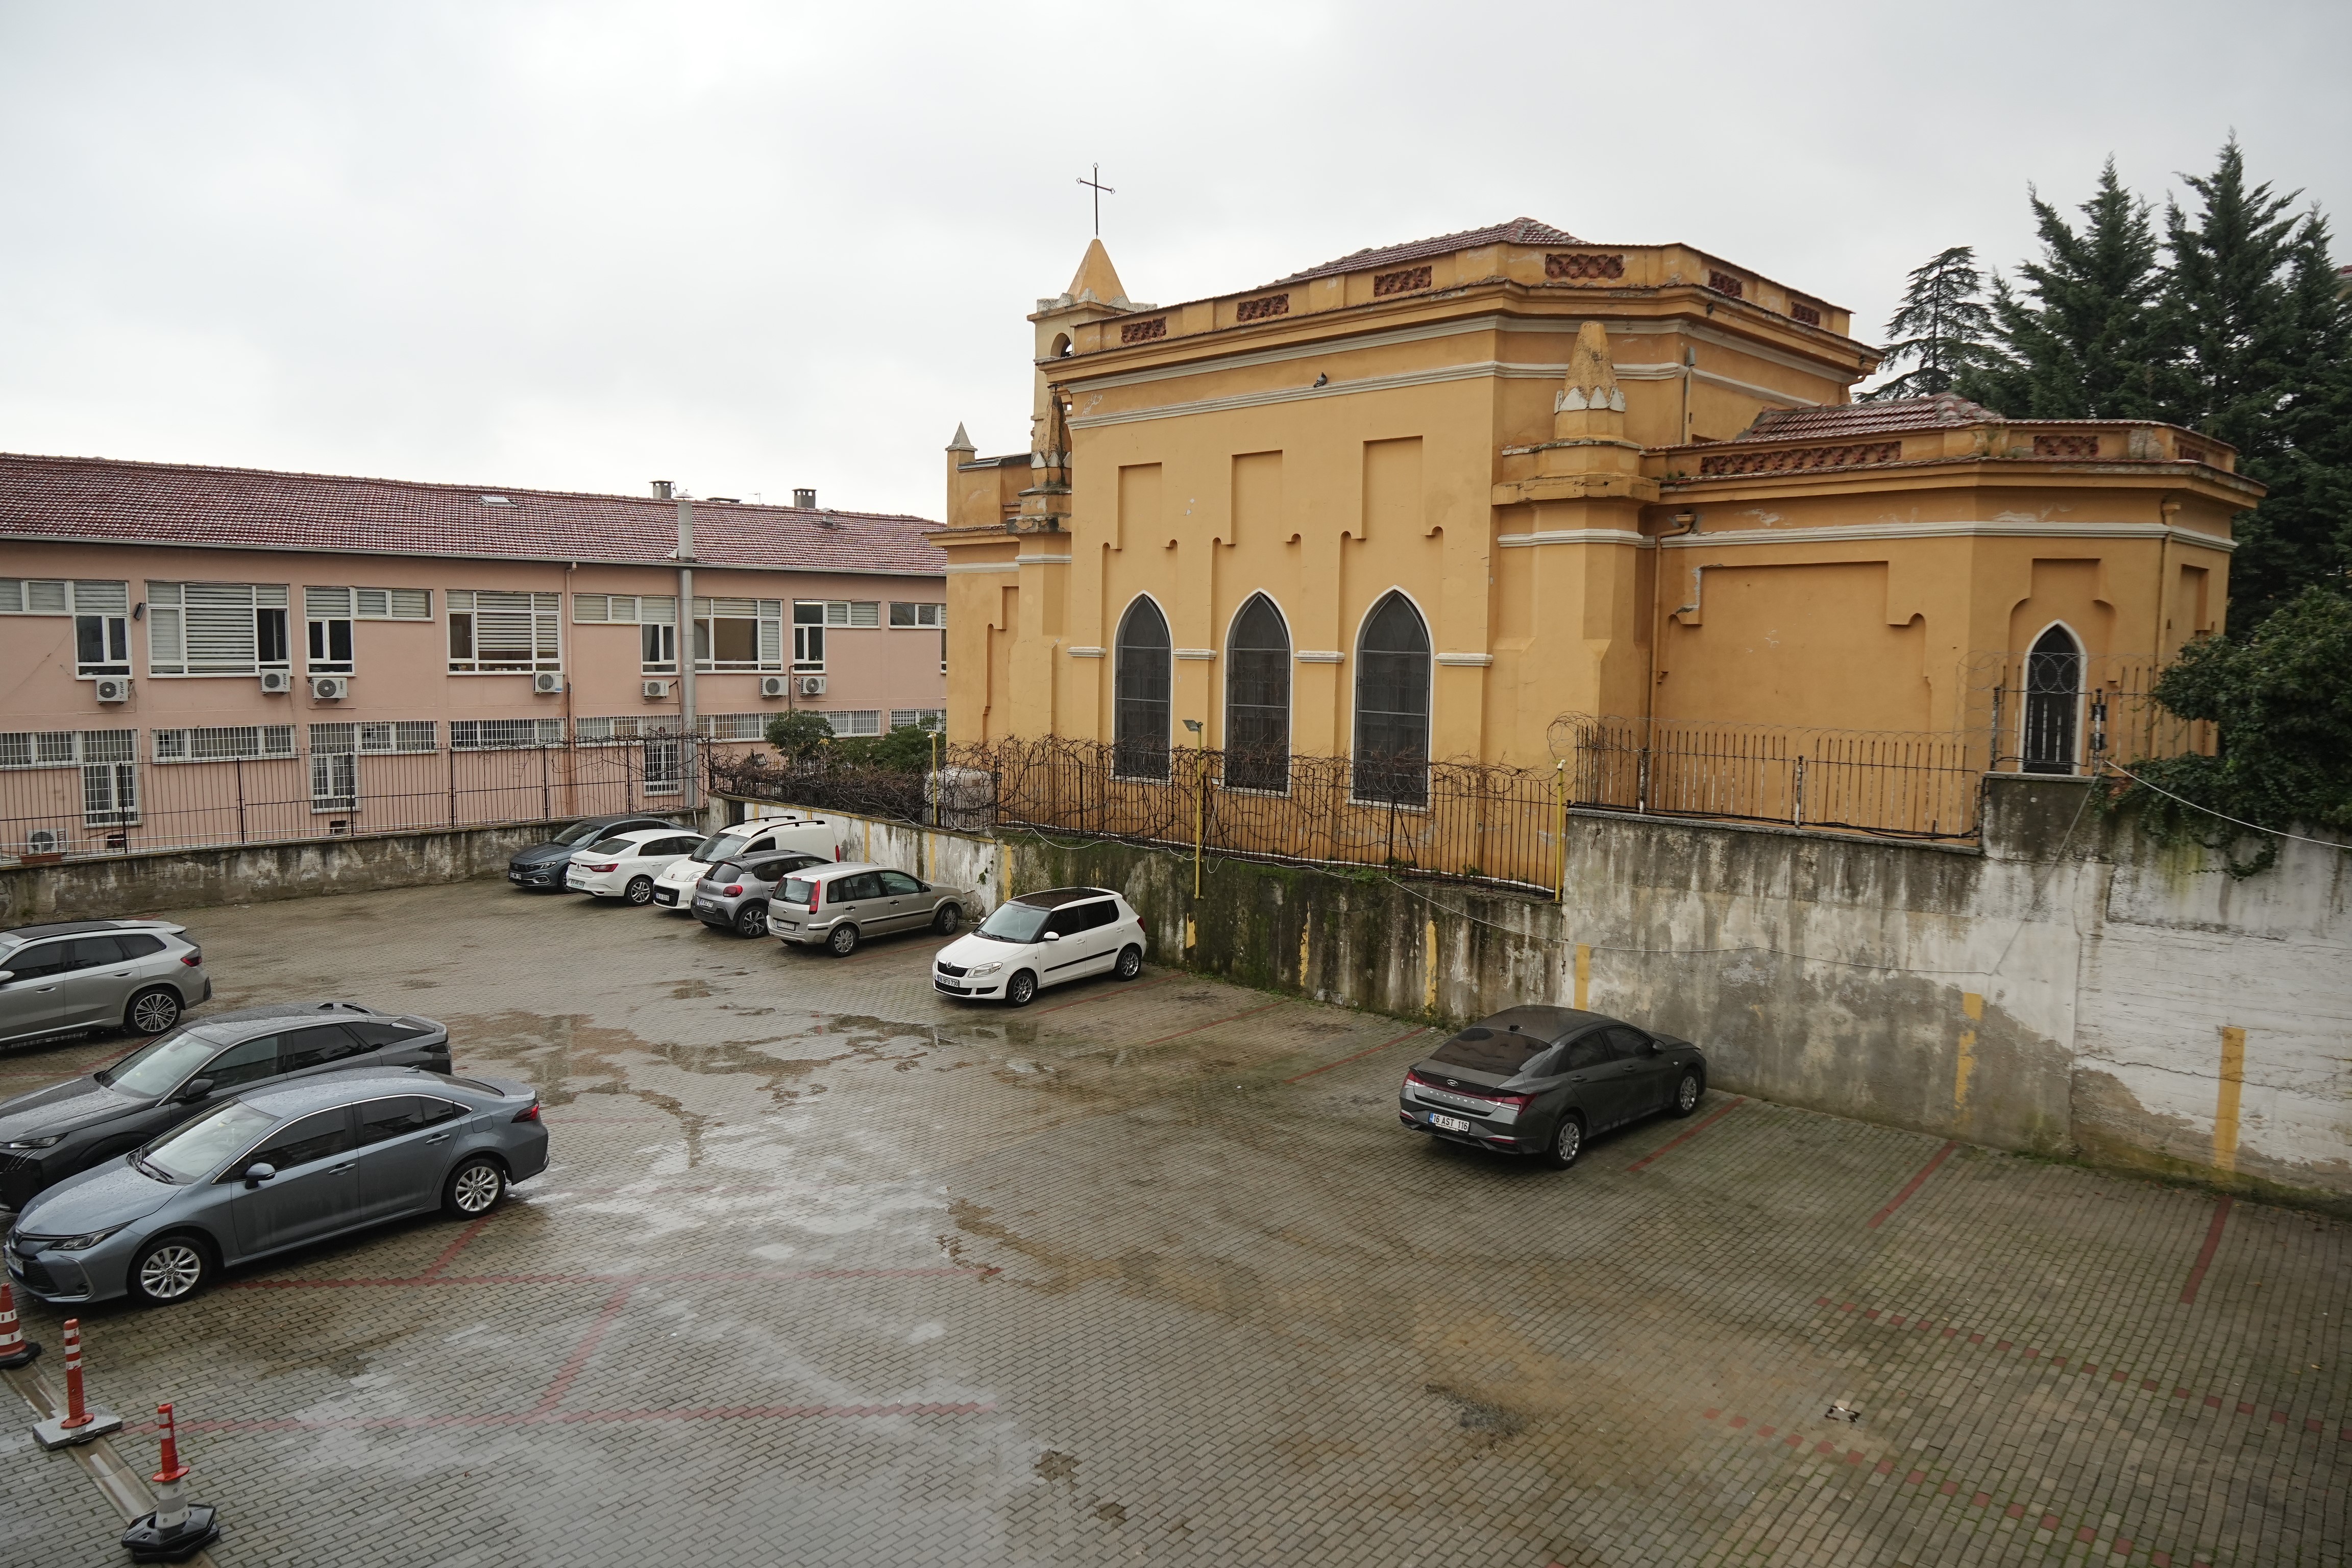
1591,382
963,443
1096,278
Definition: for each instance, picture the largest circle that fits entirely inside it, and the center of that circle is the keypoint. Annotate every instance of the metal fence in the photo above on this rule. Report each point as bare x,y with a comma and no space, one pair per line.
92,803
2111,716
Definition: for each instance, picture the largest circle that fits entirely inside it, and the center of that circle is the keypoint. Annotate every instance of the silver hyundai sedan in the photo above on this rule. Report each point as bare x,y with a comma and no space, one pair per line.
274,1169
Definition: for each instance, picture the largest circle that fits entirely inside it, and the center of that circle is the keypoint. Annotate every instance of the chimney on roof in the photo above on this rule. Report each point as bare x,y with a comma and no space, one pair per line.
661,489
805,500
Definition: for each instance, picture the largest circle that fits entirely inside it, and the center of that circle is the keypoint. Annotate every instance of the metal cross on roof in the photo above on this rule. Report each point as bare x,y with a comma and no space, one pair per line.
1100,191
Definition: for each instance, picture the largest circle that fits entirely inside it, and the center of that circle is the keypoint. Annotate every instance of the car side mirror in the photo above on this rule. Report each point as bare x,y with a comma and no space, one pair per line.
1053,936
7,976
197,1089
259,1171
1655,1047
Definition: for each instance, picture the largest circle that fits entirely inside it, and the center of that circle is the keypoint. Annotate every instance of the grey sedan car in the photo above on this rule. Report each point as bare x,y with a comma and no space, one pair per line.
275,1169
76,975
1541,1080
48,1134
837,906
735,894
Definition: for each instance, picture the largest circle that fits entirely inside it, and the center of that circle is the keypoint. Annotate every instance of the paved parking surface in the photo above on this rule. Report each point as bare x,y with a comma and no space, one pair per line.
829,1271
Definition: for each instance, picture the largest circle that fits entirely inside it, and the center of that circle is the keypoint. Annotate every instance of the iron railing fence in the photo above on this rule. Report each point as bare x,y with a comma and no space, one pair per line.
93,806
1902,784
2110,717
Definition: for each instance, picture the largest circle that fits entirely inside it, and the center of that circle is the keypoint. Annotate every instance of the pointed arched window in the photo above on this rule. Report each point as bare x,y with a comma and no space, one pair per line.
1391,735
2054,702
1141,681
1257,699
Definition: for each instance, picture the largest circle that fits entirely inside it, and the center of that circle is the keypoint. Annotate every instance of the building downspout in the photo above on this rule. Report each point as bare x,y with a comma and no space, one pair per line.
686,626
1689,521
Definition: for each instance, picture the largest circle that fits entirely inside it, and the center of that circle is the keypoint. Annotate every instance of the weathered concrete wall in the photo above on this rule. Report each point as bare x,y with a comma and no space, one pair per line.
2070,989
244,874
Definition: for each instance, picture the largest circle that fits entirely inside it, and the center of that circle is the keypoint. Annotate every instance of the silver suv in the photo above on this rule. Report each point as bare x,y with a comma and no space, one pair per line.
78,975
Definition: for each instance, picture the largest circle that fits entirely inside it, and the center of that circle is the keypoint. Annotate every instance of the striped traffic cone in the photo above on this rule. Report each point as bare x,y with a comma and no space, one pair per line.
80,1423
15,1350
178,1529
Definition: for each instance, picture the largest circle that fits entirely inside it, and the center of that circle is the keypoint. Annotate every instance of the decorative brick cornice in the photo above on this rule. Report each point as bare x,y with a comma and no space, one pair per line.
1718,464
1405,281
1725,283
2065,445
1262,308
1581,264
1142,331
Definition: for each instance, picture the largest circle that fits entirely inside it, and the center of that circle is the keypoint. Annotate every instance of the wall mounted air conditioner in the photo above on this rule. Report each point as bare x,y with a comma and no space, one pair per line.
812,685
44,841
112,688
547,683
655,691
774,685
278,681
330,688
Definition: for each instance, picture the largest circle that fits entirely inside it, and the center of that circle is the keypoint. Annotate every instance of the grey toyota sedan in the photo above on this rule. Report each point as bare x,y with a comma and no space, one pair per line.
1541,1080
273,1169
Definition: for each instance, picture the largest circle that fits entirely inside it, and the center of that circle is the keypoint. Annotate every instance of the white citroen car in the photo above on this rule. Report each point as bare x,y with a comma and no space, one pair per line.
625,866
1043,939
674,888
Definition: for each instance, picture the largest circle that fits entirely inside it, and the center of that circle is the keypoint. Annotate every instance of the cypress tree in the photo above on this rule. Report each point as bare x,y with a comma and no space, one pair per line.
2086,339
1940,329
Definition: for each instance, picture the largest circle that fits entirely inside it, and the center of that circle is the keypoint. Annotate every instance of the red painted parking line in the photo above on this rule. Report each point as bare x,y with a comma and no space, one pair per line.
706,1277
1912,1186
449,1253
2205,1253
583,1350
1360,1056
1248,1013
561,1417
1106,995
1687,1134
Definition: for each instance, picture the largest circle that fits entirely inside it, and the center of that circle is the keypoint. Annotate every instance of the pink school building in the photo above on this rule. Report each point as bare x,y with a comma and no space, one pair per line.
205,656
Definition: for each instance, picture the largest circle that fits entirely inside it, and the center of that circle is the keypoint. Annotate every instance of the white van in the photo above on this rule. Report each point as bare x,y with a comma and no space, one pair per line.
820,836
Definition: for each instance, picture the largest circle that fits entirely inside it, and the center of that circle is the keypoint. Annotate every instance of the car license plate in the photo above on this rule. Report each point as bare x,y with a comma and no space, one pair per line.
1448,1123
514,876
706,903
785,925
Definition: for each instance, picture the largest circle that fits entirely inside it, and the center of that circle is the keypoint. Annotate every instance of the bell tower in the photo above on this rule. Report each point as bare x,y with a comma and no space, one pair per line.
1095,294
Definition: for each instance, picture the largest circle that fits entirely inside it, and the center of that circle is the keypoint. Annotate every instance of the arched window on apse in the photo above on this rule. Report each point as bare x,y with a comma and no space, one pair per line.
1392,732
1140,685
2054,702
1257,699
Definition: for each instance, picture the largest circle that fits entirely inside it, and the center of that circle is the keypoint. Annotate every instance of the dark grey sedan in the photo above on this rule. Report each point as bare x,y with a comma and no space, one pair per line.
50,1134
543,866
1541,1080
272,1169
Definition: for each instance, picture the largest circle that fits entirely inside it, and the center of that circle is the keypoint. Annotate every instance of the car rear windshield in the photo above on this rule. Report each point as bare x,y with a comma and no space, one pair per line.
156,1070
194,1149
1490,1050
614,847
798,889
722,872
1015,922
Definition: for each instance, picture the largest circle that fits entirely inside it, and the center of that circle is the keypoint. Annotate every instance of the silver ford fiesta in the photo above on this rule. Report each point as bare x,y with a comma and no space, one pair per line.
274,1169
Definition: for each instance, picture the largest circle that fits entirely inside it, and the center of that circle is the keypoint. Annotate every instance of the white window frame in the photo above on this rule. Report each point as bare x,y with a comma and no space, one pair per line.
238,614
108,761
918,717
731,726
846,721
98,605
504,734
221,743
541,618
378,737
907,615
767,616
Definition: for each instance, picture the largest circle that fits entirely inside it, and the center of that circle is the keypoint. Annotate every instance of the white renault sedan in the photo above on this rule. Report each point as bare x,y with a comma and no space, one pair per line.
1043,939
625,866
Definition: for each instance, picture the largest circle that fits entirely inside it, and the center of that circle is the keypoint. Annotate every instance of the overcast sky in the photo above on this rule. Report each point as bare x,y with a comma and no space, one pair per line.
750,246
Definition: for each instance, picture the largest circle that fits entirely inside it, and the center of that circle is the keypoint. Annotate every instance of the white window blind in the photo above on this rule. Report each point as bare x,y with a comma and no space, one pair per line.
369,604
209,628
224,743
852,613
626,609
496,632
53,597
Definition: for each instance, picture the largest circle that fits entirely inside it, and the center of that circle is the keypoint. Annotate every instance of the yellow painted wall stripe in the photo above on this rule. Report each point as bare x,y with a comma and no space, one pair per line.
1973,1005
2225,1113
1583,974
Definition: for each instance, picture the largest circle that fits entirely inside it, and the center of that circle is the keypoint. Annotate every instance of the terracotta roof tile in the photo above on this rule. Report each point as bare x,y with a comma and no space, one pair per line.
1836,420
1518,231
183,504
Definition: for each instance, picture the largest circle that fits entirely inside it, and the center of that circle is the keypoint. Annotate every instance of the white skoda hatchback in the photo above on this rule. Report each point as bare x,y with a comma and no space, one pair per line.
625,866
1043,939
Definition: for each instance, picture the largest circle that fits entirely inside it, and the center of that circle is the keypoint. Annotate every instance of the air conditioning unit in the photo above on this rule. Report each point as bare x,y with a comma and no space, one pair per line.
44,841
655,691
279,681
547,683
112,688
812,685
774,685
330,688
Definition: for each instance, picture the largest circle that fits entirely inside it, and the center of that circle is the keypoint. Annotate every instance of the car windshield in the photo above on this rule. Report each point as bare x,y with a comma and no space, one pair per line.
157,1068
1482,1049
1015,922
719,846
195,1148
579,833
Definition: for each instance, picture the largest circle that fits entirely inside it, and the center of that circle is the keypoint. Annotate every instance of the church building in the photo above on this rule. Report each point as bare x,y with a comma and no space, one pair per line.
1423,501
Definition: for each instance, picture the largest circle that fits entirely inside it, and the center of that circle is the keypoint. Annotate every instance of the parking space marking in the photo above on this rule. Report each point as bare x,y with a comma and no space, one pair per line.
1911,1186
449,1253
1687,1133
2205,1253
1123,991
1360,1056
686,1277
572,1364
2082,1368
1247,1012
563,1418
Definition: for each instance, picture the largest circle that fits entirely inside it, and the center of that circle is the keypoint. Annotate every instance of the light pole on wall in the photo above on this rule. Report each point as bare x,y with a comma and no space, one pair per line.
1199,798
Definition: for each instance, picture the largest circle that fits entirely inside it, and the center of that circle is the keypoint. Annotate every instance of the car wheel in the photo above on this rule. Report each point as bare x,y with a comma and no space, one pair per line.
169,1269
1566,1144
1131,963
153,1011
1688,1092
751,920
1021,989
842,941
474,1188
641,890
949,919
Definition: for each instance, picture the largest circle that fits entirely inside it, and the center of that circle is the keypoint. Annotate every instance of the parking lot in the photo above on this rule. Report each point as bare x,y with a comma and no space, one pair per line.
830,1270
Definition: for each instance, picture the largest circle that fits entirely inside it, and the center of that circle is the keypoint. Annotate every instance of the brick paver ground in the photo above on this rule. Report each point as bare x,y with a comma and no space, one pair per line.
830,1272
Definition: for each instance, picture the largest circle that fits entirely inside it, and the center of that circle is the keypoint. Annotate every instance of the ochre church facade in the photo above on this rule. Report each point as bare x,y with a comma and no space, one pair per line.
1426,500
